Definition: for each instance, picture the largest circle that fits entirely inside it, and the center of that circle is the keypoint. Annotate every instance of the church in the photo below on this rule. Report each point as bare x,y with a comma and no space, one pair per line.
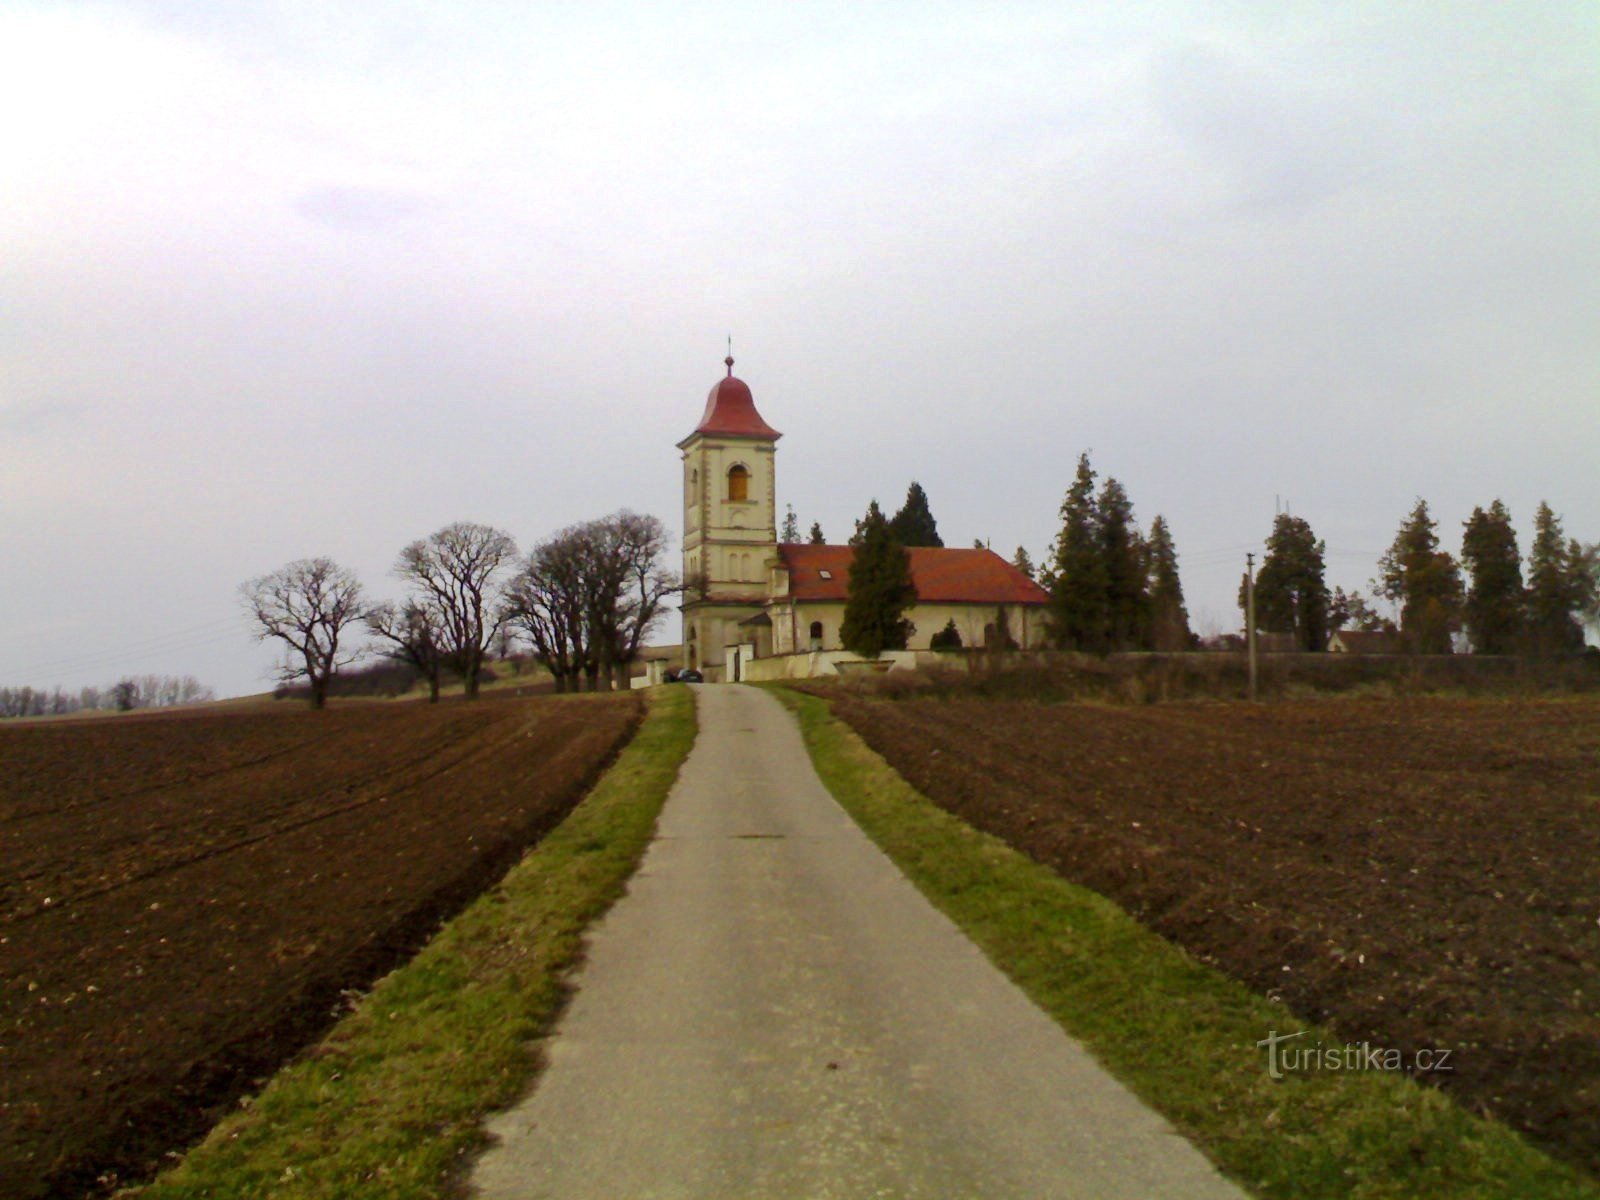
755,608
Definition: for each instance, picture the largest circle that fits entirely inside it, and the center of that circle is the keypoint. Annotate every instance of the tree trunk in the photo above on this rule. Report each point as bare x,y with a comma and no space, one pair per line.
433,688
319,692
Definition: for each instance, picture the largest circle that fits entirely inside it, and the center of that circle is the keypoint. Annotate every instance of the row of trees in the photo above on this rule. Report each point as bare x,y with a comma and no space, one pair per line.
1111,587
912,525
584,599
128,693
1500,612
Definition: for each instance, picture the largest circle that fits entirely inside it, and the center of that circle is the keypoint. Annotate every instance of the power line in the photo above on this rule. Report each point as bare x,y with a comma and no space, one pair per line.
211,633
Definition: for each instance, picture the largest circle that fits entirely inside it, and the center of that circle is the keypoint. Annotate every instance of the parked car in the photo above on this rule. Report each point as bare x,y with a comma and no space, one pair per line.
690,675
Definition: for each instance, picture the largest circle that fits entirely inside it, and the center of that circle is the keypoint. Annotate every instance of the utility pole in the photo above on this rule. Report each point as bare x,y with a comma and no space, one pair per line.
1250,617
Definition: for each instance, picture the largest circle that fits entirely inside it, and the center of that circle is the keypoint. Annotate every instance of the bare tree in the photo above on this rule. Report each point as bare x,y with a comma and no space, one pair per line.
307,605
548,600
458,571
632,587
415,633
589,595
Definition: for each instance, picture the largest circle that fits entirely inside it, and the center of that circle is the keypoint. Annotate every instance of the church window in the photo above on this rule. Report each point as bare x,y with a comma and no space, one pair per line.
738,482
816,635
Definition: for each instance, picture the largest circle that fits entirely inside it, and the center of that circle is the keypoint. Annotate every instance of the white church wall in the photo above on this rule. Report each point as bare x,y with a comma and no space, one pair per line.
1024,621
822,662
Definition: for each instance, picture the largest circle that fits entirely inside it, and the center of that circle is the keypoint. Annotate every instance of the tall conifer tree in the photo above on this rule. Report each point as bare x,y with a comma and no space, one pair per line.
1080,617
1494,607
914,525
1291,590
880,590
1426,583
1559,587
1122,552
1169,617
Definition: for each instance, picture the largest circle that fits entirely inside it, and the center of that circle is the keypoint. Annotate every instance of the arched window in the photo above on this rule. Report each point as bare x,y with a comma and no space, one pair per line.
738,482
816,635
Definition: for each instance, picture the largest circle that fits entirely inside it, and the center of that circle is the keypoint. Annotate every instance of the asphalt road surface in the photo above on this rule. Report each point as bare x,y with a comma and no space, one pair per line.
774,1011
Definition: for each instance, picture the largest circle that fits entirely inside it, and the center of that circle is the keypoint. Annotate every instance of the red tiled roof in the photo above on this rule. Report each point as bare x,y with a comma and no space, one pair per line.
731,411
942,576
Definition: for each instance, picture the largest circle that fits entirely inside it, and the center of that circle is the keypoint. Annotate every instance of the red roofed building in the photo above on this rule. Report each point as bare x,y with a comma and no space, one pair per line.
746,592
976,589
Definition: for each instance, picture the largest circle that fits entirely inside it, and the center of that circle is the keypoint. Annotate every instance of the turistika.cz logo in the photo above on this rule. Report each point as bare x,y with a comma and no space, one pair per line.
1284,1055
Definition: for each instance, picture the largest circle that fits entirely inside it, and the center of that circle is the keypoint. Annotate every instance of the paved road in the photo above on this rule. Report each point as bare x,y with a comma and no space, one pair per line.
773,1011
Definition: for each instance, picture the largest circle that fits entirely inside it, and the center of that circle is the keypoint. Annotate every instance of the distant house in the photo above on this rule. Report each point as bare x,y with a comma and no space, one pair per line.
1358,641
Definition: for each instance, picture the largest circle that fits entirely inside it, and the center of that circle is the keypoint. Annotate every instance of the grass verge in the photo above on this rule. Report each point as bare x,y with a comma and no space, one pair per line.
1183,1036
390,1104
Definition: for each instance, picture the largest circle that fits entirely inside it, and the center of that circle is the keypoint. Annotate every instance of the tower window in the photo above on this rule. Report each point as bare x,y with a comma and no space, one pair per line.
738,482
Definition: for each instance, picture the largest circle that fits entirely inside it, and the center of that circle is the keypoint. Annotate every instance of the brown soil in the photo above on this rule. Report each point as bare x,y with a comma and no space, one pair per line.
1419,873
186,900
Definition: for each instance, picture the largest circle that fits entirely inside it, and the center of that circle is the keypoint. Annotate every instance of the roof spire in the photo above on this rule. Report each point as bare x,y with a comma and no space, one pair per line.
729,359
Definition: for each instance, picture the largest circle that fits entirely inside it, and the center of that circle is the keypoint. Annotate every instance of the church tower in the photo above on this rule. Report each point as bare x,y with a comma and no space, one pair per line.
730,532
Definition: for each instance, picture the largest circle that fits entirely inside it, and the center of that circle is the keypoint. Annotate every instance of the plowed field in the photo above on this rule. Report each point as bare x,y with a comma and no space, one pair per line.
1420,873
185,899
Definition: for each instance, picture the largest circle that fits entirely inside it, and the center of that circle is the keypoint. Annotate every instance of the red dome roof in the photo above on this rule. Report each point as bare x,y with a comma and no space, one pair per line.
731,411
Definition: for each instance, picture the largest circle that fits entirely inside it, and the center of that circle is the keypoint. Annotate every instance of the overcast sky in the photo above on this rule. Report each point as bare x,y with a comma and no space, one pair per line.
283,280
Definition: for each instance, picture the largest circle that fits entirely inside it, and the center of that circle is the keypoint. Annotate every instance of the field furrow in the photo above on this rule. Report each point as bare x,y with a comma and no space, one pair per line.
1419,873
161,950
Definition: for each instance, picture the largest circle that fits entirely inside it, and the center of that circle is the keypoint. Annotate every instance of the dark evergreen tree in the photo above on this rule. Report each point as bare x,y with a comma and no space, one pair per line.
1122,550
1494,608
880,590
791,526
1080,617
815,537
1559,587
874,517
1291,593
1169,618
1022,562
948,638
914,525
1425,582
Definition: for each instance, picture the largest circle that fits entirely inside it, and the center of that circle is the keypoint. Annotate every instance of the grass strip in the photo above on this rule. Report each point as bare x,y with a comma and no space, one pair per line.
391,1103
1181,1035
